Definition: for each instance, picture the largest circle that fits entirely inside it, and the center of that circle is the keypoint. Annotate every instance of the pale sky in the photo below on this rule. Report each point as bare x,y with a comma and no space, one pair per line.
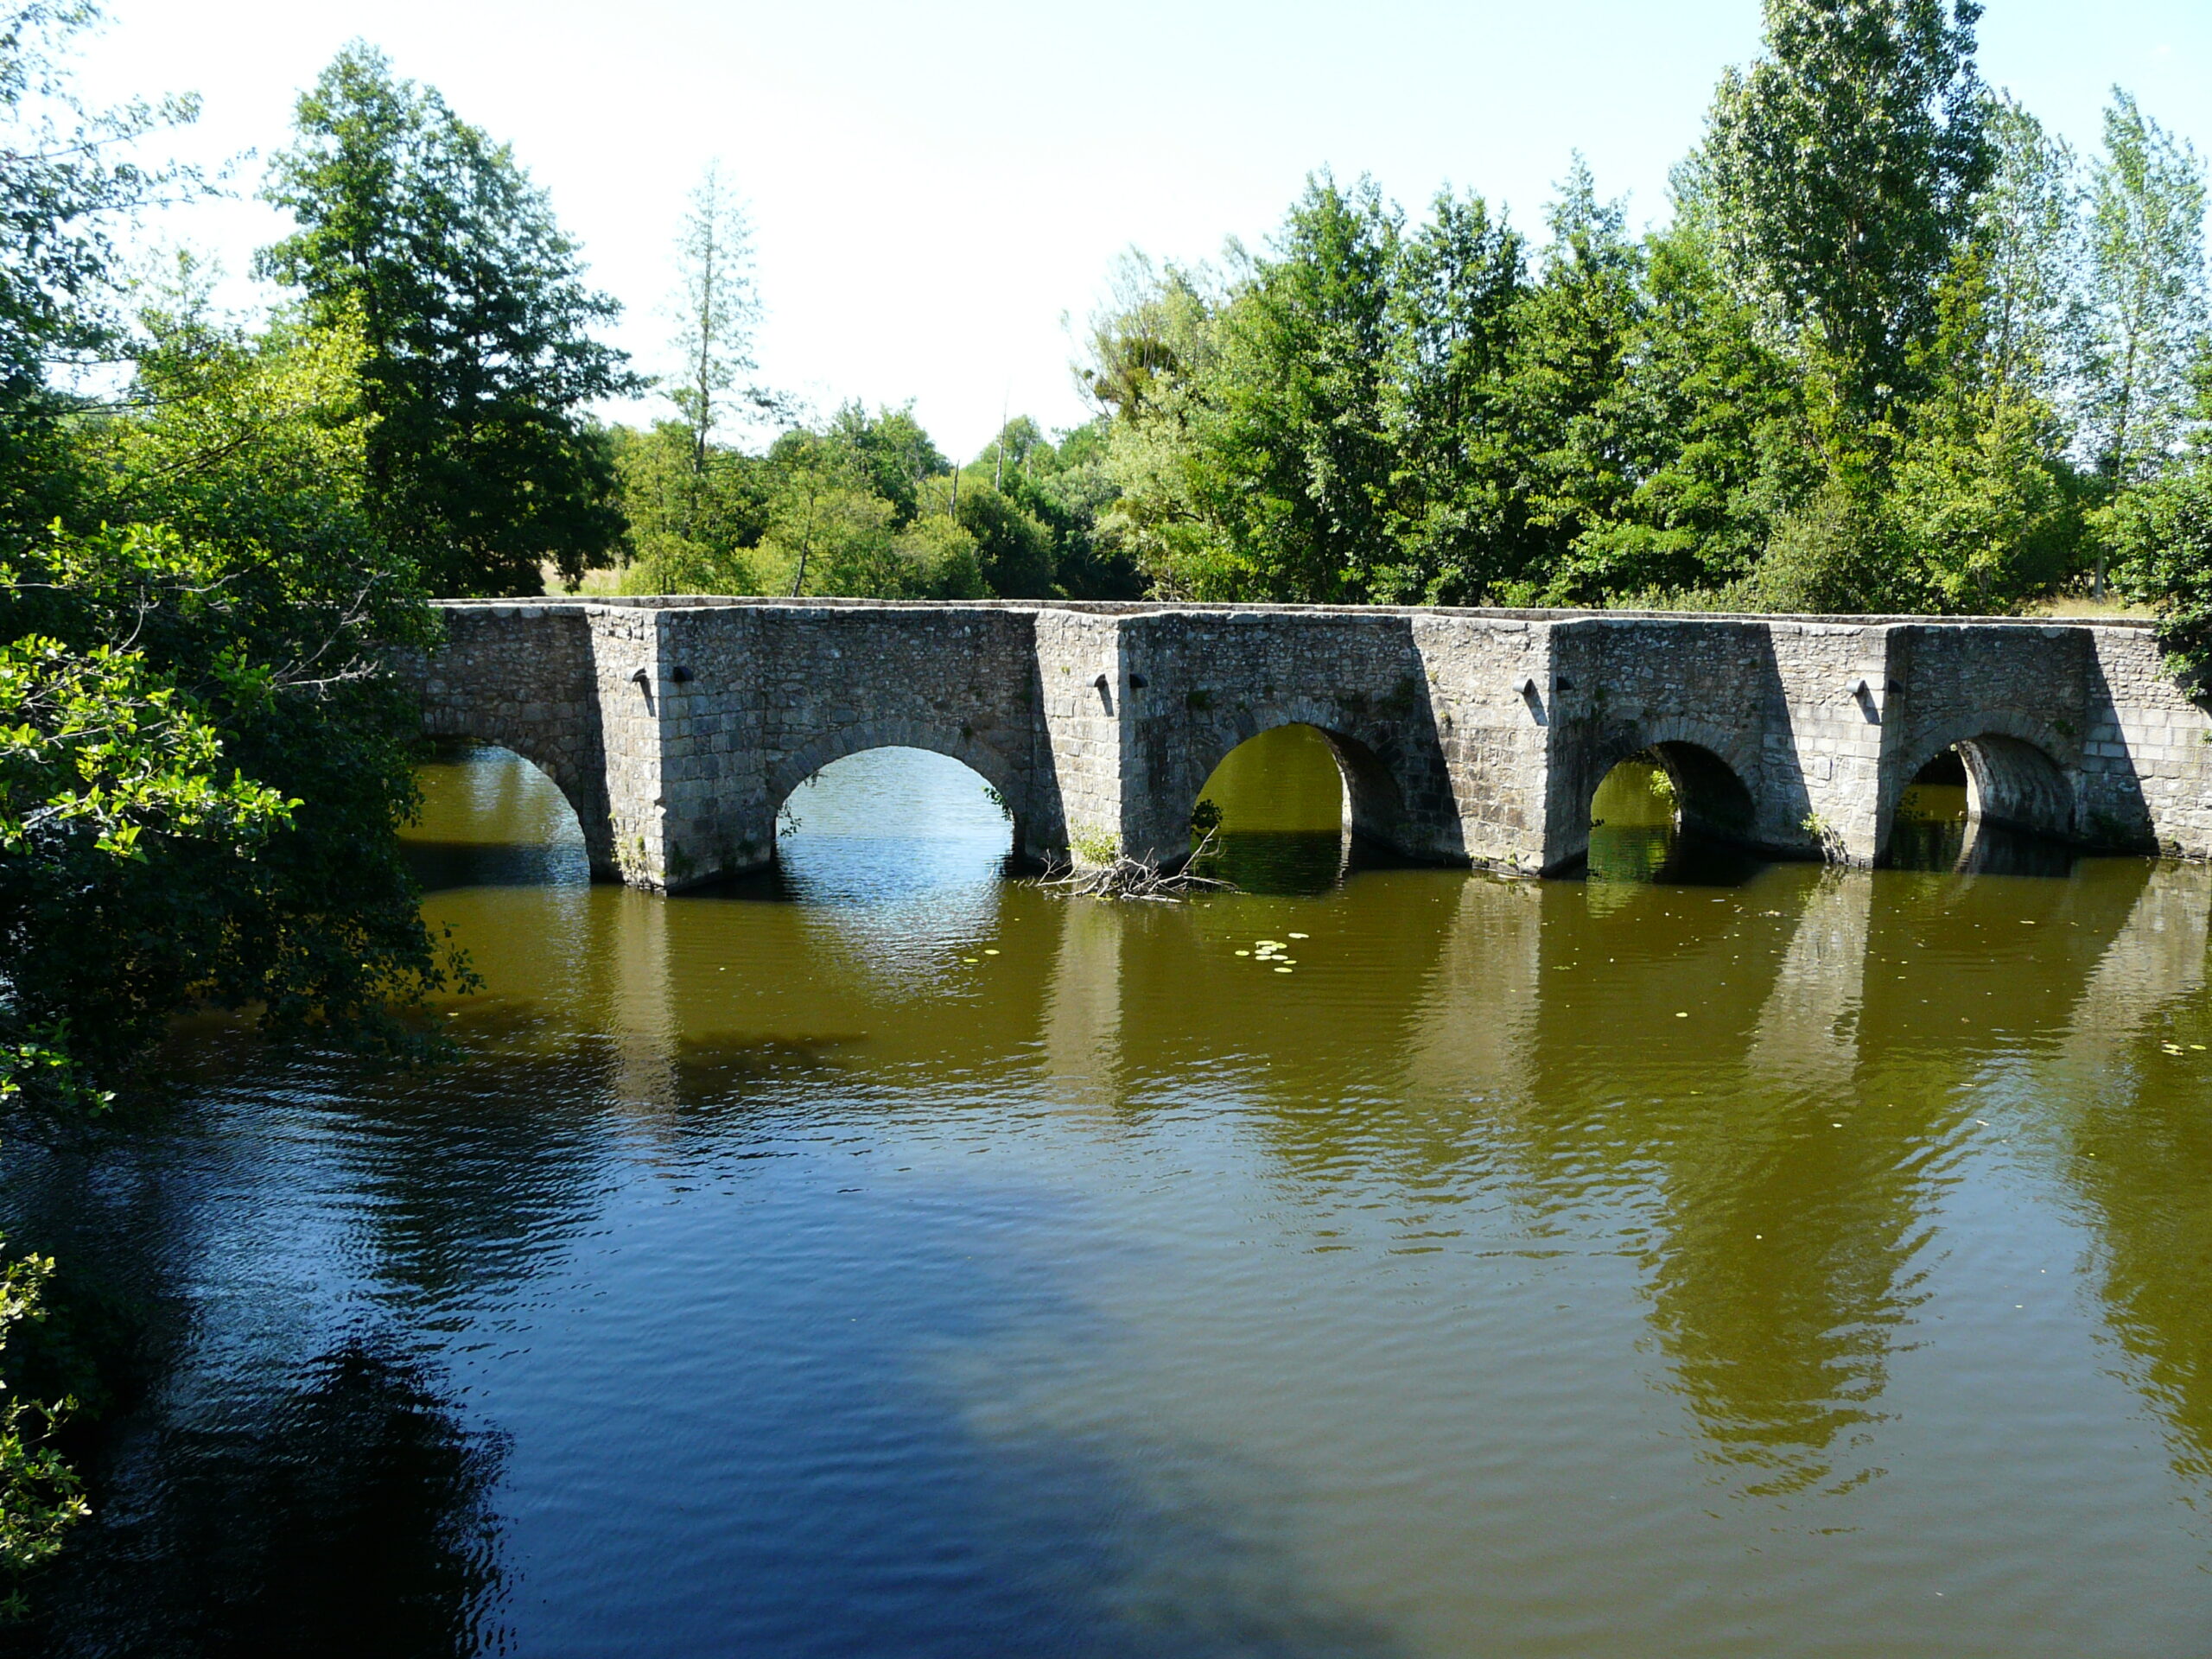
934,188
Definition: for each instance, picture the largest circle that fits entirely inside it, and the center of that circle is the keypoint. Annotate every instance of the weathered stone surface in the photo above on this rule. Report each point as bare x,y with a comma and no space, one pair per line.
677,727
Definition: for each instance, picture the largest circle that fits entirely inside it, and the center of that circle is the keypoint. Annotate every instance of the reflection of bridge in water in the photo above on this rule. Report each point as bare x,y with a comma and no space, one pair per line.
677,727
1774,1162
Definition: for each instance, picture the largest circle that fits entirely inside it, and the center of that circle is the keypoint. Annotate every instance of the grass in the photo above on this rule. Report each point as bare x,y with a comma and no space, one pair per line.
594,581
2080,604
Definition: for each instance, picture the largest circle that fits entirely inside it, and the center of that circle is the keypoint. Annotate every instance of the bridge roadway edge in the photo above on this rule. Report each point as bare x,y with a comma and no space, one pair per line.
677,727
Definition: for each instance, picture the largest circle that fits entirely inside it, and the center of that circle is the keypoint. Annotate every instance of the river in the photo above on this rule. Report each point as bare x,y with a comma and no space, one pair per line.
890,1257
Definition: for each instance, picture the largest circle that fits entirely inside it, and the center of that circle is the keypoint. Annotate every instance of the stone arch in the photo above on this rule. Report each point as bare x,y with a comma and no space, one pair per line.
2014,780
1371,787
1709,765
585,795
830,747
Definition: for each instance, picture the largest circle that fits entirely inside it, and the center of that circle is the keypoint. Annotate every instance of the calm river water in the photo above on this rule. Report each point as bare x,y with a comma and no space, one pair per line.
890,1258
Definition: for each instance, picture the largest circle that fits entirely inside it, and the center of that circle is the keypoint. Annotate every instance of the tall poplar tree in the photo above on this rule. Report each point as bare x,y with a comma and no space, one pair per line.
1843,167
481,358
2146,284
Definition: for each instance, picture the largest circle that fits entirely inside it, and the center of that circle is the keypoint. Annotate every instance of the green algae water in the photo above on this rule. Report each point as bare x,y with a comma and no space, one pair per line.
887,1256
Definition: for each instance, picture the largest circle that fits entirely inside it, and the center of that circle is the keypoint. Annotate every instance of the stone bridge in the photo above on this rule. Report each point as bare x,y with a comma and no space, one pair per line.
677,727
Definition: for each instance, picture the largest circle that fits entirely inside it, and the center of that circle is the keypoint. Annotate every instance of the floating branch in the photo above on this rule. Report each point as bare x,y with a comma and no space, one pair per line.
1137,878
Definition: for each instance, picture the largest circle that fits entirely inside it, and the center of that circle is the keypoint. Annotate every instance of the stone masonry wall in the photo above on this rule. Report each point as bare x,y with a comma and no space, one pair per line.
2146,771
676,728
1197,684
524,677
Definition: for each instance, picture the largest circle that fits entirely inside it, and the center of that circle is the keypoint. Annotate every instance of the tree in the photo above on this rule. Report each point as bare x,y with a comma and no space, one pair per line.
1304,461
1842,171
1251,445
482,360
2159,532
1706,417
831,531
2027,239
692,525
205,764
717,307
1456,525
1012,550
891,451
2147,299
1153,355
40,1495
68,175
1982,492
1067,488
1574,331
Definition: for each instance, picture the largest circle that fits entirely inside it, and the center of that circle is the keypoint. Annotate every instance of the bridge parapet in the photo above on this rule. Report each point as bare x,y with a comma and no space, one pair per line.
677,727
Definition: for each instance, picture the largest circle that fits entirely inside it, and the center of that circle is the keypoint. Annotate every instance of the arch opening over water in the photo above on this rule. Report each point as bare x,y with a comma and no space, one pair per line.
493,818
886,822
1285,806
1673,812
1991,803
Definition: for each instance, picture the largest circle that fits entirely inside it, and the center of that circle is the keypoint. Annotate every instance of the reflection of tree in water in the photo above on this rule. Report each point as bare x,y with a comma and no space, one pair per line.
2145,1172
2140,1157
343,1511
1787,1267
1778,1251
462,1179
1786,1270
1278,862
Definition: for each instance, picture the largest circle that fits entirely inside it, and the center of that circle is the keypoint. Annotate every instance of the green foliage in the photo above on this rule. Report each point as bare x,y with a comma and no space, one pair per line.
1455,522
1602,426
2160,537
694,516
203,811
1707,420
1842,171
1067,488
1575,330
2147,300
831,532
1987,509
1014,551
1879,361
1840,551
887,453
40,1495
469,297
204,763
1296,462
867,507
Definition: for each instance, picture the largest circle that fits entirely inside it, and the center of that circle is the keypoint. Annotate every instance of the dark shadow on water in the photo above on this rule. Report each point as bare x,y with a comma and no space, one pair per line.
445,866
1651,853
1289,863
1959,848
1278,862
340,1510
788,1471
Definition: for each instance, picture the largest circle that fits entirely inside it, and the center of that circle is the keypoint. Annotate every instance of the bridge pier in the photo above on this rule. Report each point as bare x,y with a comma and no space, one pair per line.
677,727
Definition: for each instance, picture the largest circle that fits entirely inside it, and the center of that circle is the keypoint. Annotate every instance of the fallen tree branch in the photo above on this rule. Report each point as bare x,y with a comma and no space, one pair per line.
1137,878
